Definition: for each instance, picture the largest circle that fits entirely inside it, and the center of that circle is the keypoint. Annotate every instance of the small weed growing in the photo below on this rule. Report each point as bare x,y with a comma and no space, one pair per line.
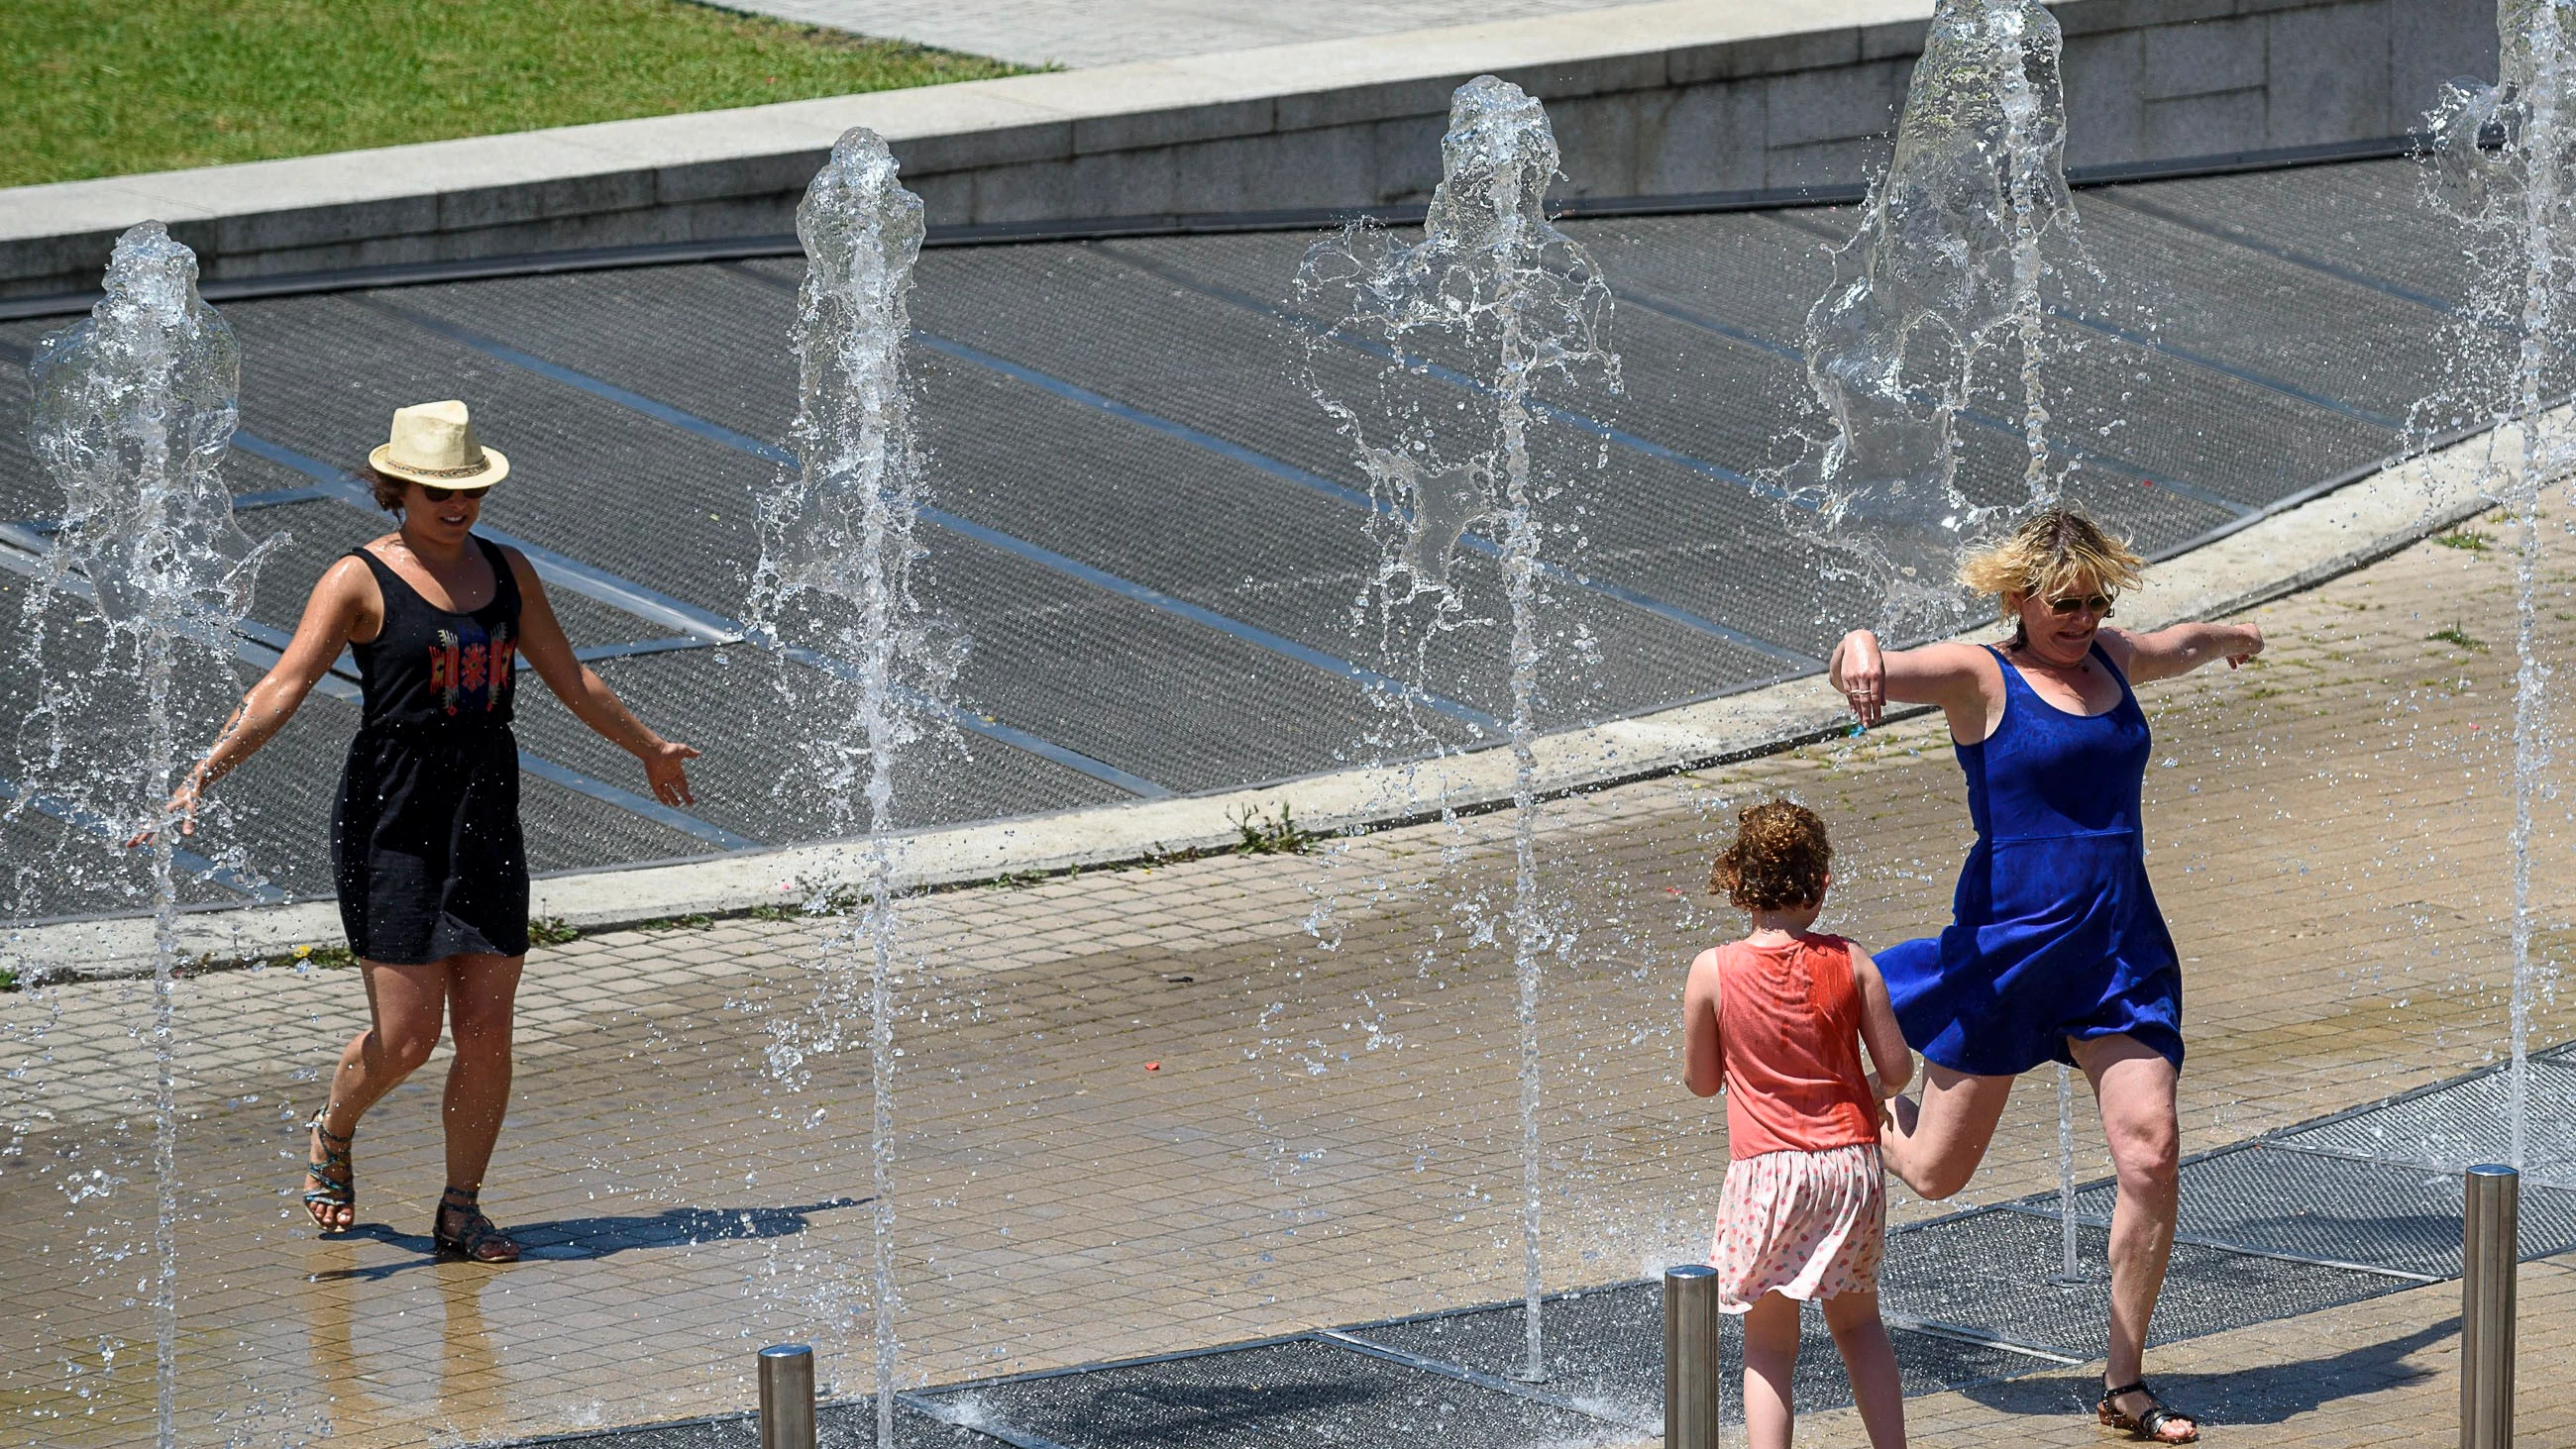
2457,638
1264,835
551,931
676,923
8,979
2468,540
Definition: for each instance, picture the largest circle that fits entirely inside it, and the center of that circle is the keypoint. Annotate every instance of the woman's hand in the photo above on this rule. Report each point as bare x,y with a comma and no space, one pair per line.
182,808
666,766
1859,671
2249,645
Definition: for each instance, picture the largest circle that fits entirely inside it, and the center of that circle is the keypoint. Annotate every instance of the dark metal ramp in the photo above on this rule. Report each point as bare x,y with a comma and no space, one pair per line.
1151,534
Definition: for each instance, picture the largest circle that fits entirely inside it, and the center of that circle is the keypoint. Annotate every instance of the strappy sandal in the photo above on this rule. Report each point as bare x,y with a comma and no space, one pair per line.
476,1239
2150,1425
335,1182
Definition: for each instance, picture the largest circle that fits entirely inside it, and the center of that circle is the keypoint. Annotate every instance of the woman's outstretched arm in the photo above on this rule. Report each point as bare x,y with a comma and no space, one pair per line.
1871,678
541,638
338,602
2182,648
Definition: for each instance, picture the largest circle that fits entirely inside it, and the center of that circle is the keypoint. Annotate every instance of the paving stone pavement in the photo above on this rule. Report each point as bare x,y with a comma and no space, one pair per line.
1157,1108
1080,33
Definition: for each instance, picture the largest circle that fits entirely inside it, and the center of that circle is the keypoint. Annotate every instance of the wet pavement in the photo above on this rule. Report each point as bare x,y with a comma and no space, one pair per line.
1148,1110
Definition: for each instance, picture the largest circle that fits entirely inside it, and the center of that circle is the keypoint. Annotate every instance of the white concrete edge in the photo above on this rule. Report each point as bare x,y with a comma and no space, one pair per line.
2291,550
570,153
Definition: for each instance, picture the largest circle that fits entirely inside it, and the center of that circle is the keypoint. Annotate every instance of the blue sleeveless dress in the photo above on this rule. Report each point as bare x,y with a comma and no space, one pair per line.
2054,931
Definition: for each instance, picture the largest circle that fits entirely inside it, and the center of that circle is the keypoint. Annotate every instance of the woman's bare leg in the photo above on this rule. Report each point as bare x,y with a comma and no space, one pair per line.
1935,1148
483,994
2135,1086
1770,1362
1870,1359
404,1007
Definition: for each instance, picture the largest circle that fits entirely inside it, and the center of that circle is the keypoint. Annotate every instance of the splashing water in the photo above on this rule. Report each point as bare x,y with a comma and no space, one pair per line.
2072,1269
834,586
2503,157
1493,292
1947,259
134,409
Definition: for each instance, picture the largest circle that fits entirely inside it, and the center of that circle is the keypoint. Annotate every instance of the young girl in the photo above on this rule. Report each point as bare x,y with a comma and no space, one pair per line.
1778,1019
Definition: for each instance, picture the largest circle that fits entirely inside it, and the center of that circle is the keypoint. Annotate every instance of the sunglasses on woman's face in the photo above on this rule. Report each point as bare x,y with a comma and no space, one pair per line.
2097,605
441,495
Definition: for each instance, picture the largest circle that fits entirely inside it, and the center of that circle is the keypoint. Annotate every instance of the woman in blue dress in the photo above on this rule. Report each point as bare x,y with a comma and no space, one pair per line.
2056,950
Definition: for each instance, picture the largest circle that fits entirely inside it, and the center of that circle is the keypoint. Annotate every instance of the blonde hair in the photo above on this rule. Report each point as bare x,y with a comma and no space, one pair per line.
1778,860
2054,549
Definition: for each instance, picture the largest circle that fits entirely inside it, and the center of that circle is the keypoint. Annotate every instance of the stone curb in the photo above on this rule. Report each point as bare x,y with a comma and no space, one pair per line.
2291,550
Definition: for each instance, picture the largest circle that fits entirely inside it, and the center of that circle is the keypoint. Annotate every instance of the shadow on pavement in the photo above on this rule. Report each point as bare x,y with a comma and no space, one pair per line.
2272,1393
573,1239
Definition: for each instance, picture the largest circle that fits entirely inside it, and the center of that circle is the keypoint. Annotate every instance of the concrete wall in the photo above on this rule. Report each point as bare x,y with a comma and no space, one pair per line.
1680,97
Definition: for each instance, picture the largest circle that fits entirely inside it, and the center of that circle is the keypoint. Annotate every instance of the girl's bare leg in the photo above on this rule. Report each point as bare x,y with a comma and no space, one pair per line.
1770,1361
1870,1359
483,991
1935,1148
404,1007
2136,1086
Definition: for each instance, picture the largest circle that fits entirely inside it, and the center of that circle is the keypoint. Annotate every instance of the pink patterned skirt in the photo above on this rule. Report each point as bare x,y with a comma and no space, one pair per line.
1804,1225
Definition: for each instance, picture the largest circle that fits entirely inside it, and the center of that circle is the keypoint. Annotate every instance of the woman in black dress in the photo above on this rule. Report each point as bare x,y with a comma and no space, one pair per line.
425,845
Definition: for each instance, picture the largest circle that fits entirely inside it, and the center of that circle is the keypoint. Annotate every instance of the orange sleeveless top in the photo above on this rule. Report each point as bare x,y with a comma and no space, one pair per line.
1788,1020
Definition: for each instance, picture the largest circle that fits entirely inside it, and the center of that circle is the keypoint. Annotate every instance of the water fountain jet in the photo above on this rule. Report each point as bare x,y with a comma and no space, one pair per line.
2505,160
1948,256
1496,291
835,580
134,410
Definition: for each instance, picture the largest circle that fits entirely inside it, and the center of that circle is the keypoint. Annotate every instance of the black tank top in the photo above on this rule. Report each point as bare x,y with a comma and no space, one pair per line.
432,670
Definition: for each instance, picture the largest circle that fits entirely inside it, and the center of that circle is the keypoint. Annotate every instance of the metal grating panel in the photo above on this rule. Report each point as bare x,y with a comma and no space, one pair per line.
1988,1272
2368,217
1293,1395
841,1425
1605,1351
2331,1209
1712,545
755,778
2465,1123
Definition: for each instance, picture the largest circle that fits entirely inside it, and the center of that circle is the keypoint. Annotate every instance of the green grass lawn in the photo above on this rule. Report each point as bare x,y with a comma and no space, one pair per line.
107,87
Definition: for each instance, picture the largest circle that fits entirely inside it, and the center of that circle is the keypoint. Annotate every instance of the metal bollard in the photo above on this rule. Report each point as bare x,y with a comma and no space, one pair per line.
2490,1228
787,1397
1692,1389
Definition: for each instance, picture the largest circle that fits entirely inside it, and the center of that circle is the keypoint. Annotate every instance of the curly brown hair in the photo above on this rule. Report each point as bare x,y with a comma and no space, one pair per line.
1778,860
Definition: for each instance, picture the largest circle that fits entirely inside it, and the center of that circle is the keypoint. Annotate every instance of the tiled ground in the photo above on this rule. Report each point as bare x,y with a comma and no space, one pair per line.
1149,1109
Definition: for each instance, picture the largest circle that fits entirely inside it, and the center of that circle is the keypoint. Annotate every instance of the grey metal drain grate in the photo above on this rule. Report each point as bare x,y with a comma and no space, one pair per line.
2401,1218
846,1425
1987,1273
2461,1123
1300,1392
1605,1352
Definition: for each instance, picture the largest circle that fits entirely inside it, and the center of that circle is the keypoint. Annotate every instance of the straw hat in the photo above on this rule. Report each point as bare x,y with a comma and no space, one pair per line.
433,443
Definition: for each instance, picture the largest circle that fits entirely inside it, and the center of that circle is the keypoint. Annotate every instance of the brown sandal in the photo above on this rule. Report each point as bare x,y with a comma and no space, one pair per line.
2150,1425
475,1237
